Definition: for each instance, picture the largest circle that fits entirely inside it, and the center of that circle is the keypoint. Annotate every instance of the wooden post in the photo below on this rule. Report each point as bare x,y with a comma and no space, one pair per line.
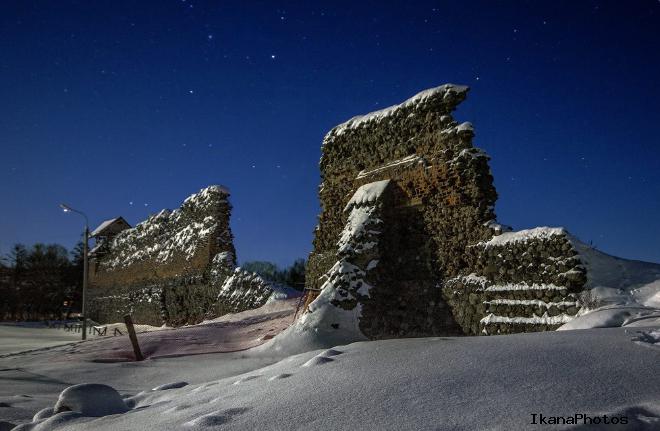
133,337
300,301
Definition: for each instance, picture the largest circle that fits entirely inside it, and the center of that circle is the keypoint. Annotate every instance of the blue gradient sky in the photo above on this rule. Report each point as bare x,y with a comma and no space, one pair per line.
124,108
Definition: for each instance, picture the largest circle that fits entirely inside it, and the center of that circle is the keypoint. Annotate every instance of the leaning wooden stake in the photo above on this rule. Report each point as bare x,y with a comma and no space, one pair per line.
133,337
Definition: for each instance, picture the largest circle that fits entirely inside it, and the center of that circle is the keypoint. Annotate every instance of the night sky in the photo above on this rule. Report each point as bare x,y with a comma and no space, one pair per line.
125,108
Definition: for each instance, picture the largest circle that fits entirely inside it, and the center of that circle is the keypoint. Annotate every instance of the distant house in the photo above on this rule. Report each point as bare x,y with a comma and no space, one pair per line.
107,230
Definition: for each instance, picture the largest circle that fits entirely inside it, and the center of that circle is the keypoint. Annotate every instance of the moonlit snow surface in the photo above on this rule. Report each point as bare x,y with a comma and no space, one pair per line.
426,383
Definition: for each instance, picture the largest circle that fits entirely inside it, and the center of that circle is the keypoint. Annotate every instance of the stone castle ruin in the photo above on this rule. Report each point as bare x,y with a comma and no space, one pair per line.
177,267
407,244
408,240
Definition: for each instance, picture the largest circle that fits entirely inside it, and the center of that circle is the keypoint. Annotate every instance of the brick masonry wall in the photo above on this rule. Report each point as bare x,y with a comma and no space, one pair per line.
173,267
452,180
441,269
442,199
528,283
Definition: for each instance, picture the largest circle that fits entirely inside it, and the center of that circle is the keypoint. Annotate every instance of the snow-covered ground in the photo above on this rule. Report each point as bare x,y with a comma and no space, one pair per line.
18,338
624,292
466,383
31,380
254,370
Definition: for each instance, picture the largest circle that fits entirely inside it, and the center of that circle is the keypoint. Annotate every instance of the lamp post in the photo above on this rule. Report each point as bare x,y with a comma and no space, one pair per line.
67,209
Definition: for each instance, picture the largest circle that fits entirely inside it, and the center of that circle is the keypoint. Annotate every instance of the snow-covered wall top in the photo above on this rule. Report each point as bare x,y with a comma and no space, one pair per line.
525,235
168,244
184,258
429,96
170,234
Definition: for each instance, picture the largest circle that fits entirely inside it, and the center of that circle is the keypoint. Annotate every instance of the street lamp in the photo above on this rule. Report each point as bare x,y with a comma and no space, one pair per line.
67,209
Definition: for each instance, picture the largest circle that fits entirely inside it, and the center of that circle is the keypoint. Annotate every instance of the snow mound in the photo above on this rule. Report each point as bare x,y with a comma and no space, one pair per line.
623,292
58,421
90,399
324,326
619,280
43,414
648,294
613,316
398,384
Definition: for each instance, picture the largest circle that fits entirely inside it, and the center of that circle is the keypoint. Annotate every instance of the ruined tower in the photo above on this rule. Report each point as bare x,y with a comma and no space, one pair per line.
407,240
439,199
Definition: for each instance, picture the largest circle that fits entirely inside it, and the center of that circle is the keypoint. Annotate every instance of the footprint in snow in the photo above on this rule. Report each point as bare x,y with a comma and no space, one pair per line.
178,408
245,379
317,360
215,418
649,338
279,376
330,352
173,385
198,389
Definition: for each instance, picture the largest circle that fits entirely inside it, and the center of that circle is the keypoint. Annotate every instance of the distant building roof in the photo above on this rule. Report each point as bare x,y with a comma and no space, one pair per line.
117,223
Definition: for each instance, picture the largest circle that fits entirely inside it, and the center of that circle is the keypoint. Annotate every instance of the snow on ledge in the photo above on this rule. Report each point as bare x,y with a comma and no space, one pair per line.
536,320
367,194
525,235
406,161
418,98
534,302
523,286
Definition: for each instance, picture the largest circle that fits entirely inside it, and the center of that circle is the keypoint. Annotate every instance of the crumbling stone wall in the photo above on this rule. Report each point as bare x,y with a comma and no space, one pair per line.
442,201
172,267
348,283
445,265
381,268
240,290
518,282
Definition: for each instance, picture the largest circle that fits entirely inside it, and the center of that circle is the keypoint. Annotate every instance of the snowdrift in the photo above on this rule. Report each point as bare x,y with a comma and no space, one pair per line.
416,384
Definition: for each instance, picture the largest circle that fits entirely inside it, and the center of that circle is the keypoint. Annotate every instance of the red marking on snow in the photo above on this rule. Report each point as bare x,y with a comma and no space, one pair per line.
228,333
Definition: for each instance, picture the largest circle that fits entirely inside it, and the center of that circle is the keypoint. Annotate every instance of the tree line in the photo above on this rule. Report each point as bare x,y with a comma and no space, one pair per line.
43,281
292,276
